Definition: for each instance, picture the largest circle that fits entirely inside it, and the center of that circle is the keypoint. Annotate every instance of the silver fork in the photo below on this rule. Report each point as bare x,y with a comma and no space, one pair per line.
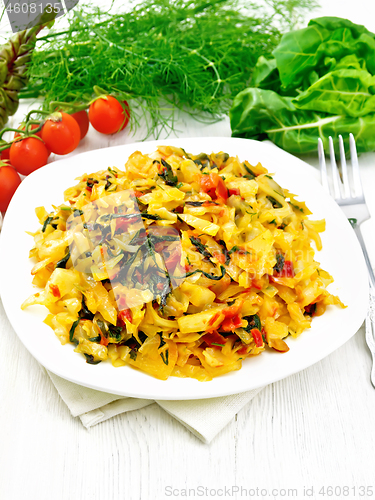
355,208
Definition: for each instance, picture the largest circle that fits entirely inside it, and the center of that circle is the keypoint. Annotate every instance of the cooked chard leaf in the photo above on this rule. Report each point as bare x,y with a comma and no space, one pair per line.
253,321
194,203
209,276
102,327
85,313
90,182
162,341
62,263
142,336
73,329
115,332
137,215
165,356
46,222
91,360
250,173
280,260
167,174
226,253
275,203
238,249
150,216
95,339
295,206
200,247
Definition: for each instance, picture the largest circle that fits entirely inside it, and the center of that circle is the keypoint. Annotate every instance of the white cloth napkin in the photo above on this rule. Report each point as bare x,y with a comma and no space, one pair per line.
205,418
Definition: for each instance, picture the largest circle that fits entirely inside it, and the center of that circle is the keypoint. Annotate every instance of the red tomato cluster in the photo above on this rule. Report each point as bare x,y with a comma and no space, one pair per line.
59,134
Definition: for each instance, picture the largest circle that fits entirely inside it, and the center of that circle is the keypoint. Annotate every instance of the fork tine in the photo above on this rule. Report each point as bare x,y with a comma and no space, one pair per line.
355,167
345,177
323,166
335,172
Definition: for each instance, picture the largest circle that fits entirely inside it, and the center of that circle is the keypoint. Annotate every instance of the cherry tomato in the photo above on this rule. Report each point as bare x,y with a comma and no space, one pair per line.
107,115
61,133
9,182
27,155
33,127
81,117
5,154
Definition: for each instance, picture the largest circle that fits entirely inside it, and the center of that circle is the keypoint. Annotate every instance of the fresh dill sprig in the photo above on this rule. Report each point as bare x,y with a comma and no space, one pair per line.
161,56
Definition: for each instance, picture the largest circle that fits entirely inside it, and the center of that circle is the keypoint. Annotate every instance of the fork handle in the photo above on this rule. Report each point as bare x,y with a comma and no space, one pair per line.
371,275
370,332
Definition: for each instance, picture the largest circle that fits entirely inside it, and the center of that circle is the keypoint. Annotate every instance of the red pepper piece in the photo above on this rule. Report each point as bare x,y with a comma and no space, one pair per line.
243,350
103,340
231,323
214,186
122,224
175,257
219,256
257,336
232,310
213,319
214,337
55,291
123,315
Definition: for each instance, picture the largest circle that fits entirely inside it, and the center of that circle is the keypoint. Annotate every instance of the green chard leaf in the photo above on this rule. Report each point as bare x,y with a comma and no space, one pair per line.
346,91
266,75
298,53
303,50
259,114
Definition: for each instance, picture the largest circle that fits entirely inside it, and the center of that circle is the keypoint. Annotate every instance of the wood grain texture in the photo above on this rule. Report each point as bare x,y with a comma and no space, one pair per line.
289,436
314,428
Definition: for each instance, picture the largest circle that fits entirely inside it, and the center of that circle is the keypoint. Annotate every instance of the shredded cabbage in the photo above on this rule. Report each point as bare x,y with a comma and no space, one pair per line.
179,265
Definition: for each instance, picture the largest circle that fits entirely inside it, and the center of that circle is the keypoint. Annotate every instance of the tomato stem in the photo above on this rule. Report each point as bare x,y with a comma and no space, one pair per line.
36,111
69,107
33,122
25,132
56,116
99,91
9,130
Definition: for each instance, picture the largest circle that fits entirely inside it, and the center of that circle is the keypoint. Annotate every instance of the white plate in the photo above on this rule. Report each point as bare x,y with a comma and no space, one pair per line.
341,256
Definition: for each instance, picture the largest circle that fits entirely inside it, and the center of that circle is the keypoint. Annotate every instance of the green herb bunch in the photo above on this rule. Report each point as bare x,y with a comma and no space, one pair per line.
160,56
